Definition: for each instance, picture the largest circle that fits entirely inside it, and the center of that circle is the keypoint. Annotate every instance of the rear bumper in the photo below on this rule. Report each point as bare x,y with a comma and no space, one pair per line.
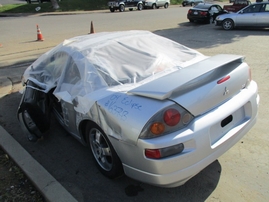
204,142
198,18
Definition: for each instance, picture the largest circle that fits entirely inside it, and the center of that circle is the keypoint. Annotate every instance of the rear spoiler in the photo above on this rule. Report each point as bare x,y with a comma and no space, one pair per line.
163,87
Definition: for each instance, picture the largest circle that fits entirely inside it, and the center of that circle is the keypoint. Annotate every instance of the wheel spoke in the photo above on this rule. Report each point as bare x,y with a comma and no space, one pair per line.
106,151
97,137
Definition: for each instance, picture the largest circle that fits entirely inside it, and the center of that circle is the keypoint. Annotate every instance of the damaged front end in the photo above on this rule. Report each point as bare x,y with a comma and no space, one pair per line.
33,112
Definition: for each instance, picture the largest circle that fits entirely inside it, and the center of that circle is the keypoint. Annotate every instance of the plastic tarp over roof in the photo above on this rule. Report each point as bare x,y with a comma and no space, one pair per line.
87,63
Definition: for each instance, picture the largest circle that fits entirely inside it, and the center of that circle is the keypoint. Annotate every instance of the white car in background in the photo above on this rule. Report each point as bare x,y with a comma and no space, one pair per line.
156,3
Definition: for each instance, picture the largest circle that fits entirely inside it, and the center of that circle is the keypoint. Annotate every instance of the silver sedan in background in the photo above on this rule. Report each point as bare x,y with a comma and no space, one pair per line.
254,15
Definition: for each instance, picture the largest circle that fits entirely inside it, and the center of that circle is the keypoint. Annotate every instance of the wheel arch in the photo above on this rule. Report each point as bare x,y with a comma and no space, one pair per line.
83,127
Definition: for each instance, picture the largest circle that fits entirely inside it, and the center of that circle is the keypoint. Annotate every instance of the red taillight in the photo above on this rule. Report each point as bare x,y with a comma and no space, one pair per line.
189,11
203,13
171,117
153,153
223,79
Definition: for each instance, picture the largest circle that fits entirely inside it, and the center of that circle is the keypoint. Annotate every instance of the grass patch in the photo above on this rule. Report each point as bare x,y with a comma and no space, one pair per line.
65,5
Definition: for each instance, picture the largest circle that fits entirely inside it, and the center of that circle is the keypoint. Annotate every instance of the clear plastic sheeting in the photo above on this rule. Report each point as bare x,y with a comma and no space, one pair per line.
88,63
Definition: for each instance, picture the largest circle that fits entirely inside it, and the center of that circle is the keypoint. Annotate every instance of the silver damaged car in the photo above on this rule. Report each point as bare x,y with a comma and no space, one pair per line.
146,106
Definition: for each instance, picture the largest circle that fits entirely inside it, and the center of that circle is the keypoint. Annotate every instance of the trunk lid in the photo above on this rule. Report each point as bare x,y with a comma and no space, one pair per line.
196,87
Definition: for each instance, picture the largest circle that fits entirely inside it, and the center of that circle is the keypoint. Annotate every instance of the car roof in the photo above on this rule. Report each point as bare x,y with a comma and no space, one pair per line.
124,57
203,5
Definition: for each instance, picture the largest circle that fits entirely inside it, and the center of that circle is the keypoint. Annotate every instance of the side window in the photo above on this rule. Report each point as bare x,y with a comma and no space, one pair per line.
215,10
72,75
219,8
266,8
253,9
57,64
51,68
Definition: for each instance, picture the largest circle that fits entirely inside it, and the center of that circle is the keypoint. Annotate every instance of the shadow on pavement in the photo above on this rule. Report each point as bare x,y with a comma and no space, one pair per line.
72,165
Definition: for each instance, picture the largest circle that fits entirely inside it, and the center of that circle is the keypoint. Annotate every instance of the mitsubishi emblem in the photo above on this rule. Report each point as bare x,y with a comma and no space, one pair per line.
226,91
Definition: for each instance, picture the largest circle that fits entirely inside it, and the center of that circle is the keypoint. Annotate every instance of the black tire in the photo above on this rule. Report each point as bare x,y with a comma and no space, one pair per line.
112,10
154,6
105,157
192,4
166,5
184,4
140,7
122,8
228,24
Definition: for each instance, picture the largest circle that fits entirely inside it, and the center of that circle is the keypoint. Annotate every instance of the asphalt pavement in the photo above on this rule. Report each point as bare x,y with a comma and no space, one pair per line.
49,187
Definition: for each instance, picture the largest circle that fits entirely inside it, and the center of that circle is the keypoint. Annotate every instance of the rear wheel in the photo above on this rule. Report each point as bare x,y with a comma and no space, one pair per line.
154,6
184,4
139,7
166,5
103,152
112,10
121,8
227,24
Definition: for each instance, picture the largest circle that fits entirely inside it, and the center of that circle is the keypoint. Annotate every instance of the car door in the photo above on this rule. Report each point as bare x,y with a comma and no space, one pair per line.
130,3
248,16
69,86
160,3
263,16
34,109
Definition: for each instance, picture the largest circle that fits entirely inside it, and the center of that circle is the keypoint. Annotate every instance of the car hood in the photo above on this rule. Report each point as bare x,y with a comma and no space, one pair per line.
228,15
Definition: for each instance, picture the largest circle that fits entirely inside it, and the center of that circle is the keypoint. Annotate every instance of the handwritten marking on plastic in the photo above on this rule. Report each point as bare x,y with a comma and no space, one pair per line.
121,106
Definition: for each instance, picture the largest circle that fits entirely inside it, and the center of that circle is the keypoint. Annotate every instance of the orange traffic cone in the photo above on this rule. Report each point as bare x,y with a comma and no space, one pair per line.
39,35
92,29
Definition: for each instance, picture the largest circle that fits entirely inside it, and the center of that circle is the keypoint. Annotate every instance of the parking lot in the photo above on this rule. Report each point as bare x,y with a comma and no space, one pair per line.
239,175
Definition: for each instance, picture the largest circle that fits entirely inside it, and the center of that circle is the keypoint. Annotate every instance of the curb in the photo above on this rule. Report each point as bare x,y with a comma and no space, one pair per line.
5,86
49,187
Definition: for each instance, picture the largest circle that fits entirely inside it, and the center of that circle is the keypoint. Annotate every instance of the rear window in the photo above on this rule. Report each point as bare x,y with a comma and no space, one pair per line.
202,6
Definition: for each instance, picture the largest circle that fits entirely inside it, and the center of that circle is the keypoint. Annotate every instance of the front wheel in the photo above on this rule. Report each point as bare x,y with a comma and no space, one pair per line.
227,24
103,152
154,6
121,8
112,10
166,5
139,7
